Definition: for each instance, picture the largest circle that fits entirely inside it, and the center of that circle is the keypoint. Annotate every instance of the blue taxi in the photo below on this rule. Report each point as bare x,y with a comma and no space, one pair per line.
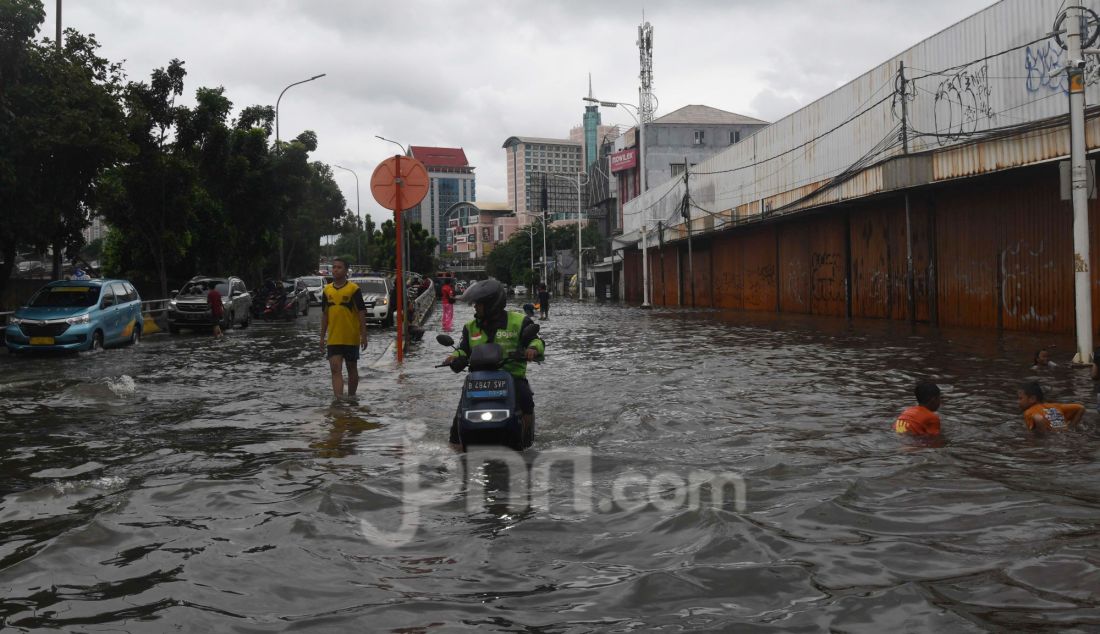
71,315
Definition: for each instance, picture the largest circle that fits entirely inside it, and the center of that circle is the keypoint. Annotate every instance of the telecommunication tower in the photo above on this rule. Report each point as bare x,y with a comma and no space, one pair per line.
647,103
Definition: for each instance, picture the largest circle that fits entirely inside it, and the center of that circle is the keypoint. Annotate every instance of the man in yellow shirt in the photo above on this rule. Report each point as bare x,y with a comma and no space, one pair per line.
343,327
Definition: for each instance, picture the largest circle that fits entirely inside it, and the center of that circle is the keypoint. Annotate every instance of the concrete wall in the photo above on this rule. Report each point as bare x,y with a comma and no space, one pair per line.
670,143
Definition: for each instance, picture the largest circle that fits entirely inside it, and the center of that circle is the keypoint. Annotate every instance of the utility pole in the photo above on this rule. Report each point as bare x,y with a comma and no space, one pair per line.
545,204
687,219
57,243
580,248
645,268
1075,68
910,278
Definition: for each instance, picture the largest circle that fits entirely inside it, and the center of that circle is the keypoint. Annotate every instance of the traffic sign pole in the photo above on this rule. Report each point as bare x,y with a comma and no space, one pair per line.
400,267
399,182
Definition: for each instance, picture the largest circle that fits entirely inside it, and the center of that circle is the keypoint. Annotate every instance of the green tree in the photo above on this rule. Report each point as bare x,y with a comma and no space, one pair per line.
60,128
153,195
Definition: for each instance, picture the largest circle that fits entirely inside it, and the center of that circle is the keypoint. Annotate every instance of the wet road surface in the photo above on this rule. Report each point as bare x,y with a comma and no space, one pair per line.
188,484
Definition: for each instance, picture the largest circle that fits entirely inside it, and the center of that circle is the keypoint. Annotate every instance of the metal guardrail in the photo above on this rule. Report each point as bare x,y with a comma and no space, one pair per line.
424,302
154,306
150,307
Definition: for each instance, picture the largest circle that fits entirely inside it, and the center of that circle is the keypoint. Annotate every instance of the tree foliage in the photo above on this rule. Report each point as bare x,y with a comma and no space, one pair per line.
209,194
377,246
510,261
60,128
186,190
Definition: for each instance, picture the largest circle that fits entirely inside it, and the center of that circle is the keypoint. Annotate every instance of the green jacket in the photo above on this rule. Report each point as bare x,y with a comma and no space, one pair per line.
506,334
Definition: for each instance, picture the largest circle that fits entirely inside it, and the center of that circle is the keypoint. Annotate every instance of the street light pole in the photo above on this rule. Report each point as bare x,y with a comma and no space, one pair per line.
278,148
577,184
580,248
358,218
643,181
277,101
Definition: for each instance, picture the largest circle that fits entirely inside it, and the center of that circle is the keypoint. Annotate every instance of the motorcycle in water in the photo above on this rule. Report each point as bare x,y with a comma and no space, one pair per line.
487,412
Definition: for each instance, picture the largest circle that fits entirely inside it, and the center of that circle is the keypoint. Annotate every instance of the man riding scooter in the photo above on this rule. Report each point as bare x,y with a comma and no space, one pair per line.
493,323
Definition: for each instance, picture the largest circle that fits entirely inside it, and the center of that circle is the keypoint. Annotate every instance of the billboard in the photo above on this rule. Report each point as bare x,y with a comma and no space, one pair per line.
623,160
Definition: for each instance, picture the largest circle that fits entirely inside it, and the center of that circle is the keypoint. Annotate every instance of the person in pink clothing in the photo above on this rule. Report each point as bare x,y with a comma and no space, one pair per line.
448,305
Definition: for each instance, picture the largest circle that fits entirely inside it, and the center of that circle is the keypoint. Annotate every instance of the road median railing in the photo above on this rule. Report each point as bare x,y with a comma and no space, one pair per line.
155,313
424,303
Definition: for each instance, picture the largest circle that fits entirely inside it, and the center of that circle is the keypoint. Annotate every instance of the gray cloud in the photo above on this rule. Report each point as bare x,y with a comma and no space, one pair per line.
470,74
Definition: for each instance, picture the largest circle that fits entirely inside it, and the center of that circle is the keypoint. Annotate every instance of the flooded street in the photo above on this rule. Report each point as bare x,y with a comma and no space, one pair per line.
188,484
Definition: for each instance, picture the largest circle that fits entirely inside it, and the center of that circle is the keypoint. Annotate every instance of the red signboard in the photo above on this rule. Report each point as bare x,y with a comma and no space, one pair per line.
624,160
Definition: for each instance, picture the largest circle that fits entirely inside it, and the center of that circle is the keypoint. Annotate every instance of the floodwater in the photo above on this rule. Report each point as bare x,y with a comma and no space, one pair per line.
188,484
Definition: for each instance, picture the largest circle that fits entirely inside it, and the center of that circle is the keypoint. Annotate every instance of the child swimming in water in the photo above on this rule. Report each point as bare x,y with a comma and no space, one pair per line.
1041,416
1042,360
921,419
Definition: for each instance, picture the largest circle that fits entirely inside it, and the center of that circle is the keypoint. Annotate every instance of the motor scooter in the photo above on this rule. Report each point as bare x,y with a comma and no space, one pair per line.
487,412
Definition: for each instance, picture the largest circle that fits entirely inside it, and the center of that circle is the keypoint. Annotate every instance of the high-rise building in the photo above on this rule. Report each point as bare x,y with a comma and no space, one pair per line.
530,162
450,180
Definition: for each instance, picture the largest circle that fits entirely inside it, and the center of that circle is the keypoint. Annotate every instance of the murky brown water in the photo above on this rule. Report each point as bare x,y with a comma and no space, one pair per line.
194,485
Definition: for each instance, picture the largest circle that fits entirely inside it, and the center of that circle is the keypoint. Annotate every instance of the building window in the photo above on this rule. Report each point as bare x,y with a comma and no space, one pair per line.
698,137
735,136
677,169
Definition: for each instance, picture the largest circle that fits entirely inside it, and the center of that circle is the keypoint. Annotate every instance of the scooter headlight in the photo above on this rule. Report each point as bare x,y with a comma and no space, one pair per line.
487,415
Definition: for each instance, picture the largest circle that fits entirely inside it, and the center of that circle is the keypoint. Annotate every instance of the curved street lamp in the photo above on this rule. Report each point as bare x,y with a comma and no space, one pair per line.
641,167
281,98
358,218
278,148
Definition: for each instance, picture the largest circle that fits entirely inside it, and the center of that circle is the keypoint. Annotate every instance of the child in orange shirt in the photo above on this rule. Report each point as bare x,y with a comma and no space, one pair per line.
1040,416
921,419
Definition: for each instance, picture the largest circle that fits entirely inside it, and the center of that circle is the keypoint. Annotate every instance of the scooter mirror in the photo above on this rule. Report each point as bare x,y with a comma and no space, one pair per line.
445,340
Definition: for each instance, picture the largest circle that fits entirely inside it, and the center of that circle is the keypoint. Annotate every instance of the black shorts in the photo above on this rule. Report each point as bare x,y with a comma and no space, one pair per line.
350,353
525,401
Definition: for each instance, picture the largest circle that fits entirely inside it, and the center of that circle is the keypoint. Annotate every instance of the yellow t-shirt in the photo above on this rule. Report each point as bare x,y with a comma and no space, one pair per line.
342,306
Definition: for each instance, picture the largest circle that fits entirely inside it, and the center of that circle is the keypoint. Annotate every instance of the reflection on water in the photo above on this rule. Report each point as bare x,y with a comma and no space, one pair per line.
206,485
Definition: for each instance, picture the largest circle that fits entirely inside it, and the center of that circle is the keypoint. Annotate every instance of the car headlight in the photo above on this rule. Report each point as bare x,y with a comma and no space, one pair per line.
79,319
385,300
15,321
172,303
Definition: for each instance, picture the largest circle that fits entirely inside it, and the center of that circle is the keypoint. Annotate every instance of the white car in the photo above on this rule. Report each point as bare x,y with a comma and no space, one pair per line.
315,284
519,289
376,292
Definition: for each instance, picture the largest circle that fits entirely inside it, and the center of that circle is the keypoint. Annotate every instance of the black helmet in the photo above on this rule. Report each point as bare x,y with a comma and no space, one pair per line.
491,292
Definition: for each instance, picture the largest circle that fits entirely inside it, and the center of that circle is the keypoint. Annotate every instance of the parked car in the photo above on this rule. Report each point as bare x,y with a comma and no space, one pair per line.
188,307
519,289
315,286
77,315
378,295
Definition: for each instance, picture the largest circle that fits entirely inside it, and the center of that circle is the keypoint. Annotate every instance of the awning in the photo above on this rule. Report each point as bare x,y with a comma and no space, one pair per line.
606,265
625,240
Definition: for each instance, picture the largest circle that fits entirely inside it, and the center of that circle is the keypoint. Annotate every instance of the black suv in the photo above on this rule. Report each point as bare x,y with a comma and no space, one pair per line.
188,307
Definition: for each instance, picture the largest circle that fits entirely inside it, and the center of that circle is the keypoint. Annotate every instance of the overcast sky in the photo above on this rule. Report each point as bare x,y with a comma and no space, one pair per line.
464,73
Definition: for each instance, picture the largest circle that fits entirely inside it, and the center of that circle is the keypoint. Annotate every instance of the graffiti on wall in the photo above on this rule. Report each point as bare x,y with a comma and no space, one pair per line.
1018,267
828,277
760,283
962,104
1045,65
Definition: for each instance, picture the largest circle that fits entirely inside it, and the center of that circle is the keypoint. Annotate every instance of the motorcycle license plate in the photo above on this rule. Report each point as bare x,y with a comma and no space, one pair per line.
42,341
492,384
